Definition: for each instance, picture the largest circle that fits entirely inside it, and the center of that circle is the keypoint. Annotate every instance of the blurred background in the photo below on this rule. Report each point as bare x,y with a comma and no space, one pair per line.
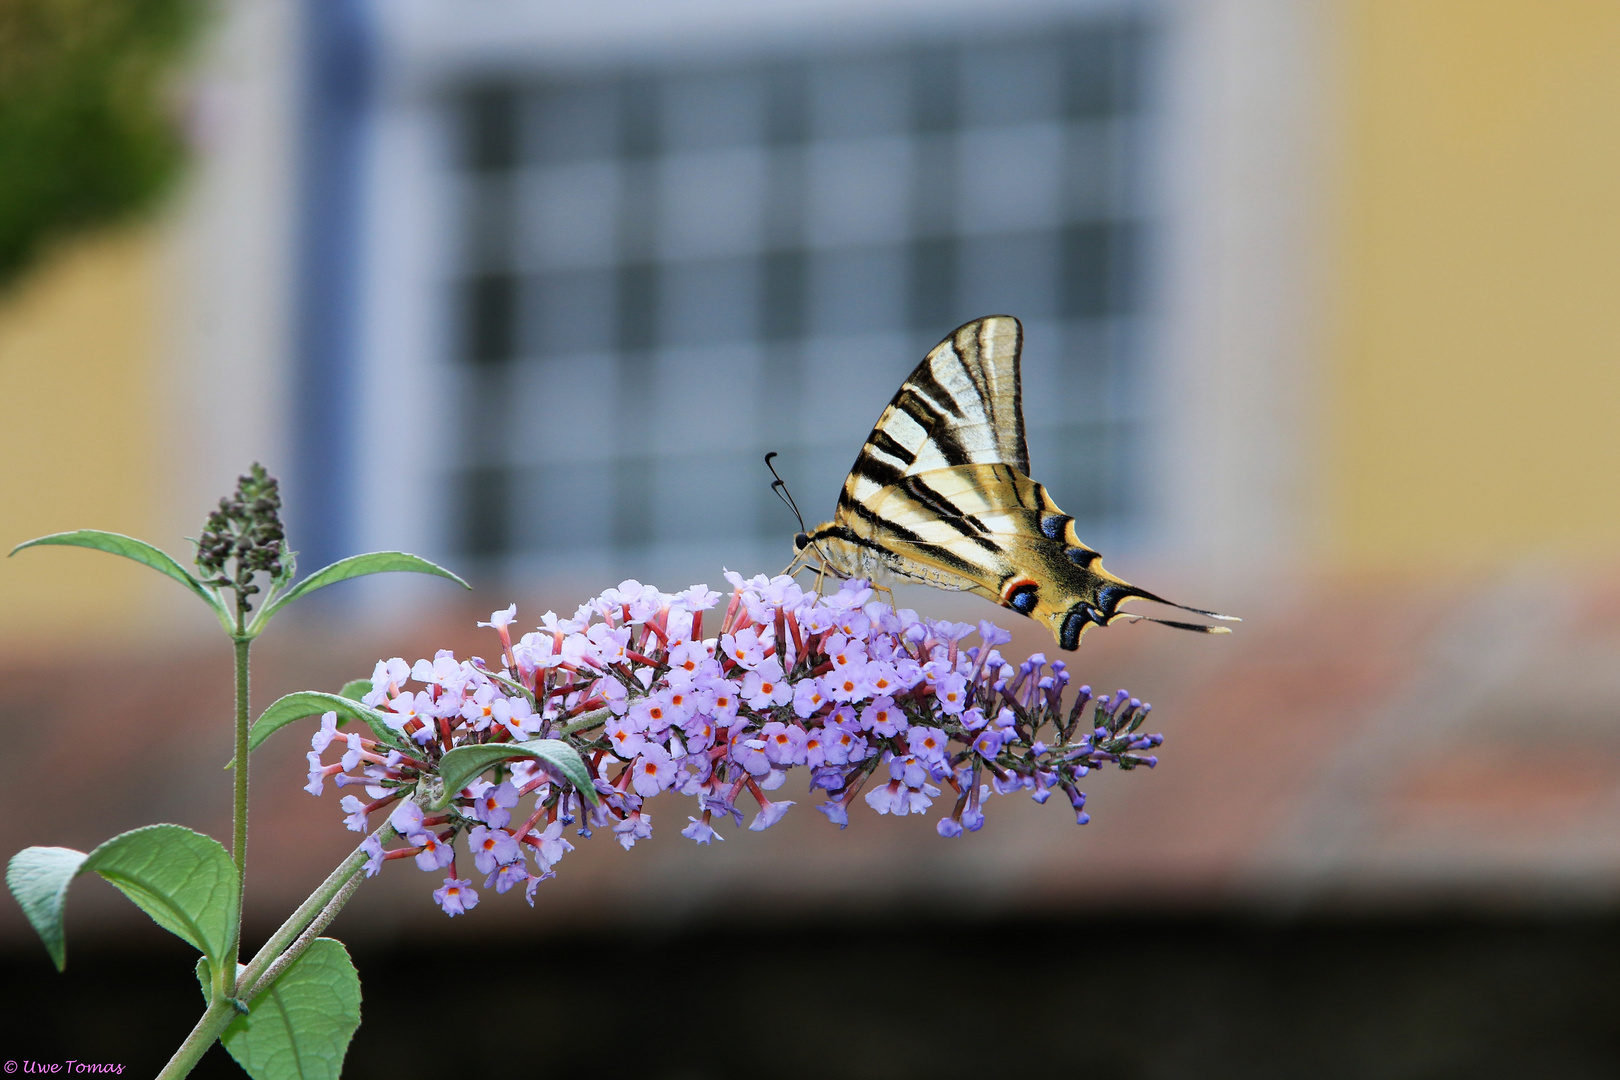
1320,301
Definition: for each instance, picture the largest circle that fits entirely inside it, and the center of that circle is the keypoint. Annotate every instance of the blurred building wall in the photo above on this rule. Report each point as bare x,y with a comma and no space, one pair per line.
1475,389
1466,344
143,369
81,443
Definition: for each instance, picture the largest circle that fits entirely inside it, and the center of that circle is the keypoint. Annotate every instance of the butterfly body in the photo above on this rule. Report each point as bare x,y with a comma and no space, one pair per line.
941,494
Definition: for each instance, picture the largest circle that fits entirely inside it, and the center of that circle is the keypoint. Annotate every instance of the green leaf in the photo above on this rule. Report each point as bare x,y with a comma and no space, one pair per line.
298,1029
289,567
511,684
377,562
355,689
39,878
131,548
184,880
458,767
286,710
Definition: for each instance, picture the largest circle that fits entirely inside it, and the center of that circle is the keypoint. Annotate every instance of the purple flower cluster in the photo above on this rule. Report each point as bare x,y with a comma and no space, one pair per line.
861,696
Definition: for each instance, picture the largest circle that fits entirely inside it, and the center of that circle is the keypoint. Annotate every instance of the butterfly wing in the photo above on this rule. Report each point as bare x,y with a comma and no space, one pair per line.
961,406
941,494
999,534
991,530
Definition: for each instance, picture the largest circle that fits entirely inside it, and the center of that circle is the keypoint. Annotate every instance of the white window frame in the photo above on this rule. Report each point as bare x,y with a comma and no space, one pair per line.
1241,151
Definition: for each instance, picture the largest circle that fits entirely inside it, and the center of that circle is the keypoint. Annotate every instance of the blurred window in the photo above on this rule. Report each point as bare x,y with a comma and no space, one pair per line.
671,269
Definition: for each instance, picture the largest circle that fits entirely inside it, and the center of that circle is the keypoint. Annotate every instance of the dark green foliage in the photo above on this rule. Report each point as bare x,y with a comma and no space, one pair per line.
89,114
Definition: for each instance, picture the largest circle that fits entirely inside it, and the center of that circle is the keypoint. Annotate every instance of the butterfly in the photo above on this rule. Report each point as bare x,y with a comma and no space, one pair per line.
941,494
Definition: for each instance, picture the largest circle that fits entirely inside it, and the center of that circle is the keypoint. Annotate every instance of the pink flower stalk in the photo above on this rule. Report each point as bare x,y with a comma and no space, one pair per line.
860,695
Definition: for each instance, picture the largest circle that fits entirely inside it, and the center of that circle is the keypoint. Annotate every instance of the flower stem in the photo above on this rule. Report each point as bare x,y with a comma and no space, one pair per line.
317,910
239,808
279,953
215,1019
310,933
586,722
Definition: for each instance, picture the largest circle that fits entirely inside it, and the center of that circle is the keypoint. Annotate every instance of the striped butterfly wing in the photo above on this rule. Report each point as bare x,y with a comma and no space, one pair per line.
991,530
941,494
961,406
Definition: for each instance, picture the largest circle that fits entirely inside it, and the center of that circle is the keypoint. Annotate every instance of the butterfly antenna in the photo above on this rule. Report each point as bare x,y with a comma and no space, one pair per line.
780,487
782,492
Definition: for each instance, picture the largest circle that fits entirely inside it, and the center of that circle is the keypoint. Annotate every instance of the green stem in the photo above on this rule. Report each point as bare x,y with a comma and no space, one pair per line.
310,933
239,807
586,722
284,947
287,934
214,1020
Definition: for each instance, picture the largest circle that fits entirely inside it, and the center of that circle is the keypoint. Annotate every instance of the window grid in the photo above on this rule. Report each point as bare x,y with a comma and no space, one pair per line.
666,273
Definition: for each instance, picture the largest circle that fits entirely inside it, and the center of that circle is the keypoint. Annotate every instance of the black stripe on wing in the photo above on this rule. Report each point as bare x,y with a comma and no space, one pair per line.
1018,452
987,353
924,382
956,563
932,417
887,444
942,556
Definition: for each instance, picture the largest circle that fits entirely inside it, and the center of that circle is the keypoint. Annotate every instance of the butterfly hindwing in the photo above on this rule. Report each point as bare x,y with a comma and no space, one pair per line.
991,530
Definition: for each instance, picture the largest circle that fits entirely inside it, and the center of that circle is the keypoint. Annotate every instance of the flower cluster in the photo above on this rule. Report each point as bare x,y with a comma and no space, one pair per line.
246,527
859,695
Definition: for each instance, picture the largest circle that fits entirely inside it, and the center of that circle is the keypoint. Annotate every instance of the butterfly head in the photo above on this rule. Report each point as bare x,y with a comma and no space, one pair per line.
801,540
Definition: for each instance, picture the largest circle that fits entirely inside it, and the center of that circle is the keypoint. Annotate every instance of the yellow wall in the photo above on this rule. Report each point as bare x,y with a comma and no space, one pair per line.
1475,383
79,363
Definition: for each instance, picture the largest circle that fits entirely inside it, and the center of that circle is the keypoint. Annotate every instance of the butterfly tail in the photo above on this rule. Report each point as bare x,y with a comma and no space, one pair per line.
1113,595
1105,610
1131,592
1198,628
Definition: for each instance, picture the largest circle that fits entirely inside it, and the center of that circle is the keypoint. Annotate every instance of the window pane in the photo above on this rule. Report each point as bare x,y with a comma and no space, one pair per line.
570,214
568,312
859,192
1011,84
706,111
712,203
857,290
1014,273
1011,178
563,506
561,405
858,98
572,122
712,300
702,399
699,498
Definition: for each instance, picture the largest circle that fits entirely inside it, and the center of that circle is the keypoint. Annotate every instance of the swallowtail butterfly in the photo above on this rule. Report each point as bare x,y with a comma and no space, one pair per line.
941,494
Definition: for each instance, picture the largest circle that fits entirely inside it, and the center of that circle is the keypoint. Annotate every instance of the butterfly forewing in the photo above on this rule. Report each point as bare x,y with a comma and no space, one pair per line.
961,406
